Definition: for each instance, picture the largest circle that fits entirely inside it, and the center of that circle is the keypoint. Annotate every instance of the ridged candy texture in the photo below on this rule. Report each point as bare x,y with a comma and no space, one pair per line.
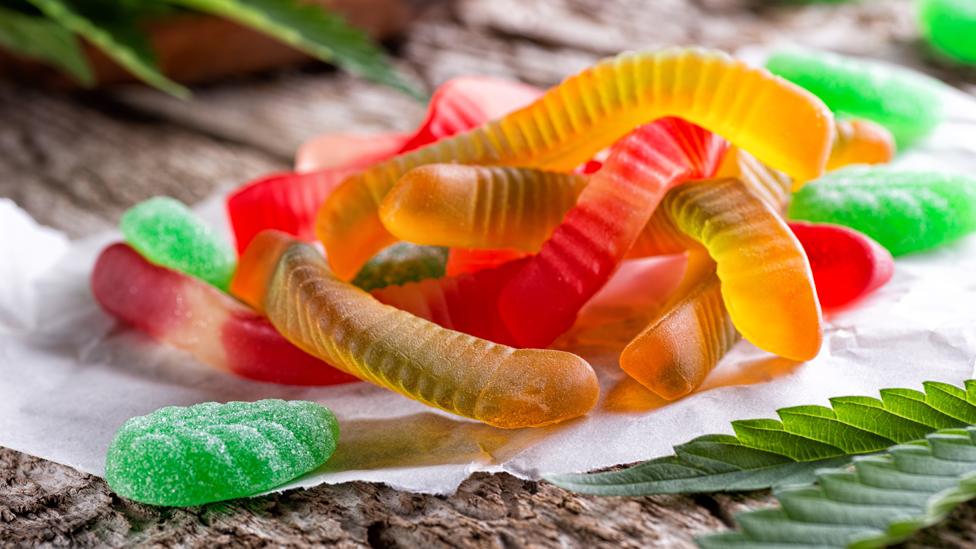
479,207
194,316
211,452
450,370
588,112
905,211
167,233
949,26
766,282
674,354
908,103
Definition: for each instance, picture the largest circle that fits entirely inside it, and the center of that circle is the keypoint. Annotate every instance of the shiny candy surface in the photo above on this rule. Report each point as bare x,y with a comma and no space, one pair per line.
211,452
167,233
846,264
908,103
903,210
860,142
456,372
589,111
191,315
950,26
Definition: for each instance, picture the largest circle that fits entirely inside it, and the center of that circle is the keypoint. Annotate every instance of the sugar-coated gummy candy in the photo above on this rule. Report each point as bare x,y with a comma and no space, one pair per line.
401,263
860,142
908,103
479,206
291,283
950,27
192,315
182,456
693,331
903,210
288,202
167,233
584,114
846,264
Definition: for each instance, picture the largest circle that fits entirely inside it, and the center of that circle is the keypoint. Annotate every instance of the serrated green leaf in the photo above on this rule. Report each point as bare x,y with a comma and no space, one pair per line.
44,40
313,30
120,39
766,452
877,501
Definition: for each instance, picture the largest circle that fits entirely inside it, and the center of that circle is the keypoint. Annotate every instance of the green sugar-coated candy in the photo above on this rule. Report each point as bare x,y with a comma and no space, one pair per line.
167,233
908,103
209,452
950,27
905,211
401,263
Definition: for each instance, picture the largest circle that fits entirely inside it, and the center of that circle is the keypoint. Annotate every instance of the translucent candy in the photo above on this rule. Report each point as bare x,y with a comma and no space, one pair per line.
479,207
949,26
167,233
767,285
453,371
908,103
402,263
674,354
542,299
860,142
211,452
469,260
904,211
846,264
191,315
588,112
288,202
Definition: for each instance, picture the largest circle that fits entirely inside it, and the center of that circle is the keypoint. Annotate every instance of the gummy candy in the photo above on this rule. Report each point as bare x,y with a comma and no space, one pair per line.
904,211
191,315
469,260
167,233
907,103
288,202
542,299
401,263
674,354
949,26
453,371
860,142
479,207
846,264
766,281
589,111
210,452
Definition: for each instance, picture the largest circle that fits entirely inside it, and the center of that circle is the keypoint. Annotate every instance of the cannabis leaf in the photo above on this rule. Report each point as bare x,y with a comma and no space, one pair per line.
311,29
45,40
117,37
879,500
767,452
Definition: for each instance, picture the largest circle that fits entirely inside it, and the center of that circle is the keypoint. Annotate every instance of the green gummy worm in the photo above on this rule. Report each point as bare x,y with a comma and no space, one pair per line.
402,263
905,211
908,103
182,456
167,233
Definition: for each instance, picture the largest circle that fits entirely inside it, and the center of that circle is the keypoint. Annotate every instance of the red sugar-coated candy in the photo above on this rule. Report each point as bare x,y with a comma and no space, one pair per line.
847,265
194,316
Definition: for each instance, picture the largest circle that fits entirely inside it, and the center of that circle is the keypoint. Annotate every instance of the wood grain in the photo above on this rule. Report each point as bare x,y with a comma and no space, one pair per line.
75,161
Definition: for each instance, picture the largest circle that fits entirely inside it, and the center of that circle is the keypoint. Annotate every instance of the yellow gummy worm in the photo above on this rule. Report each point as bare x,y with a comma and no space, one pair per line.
337,322
860,142
479,207
783,125
767,285
674,354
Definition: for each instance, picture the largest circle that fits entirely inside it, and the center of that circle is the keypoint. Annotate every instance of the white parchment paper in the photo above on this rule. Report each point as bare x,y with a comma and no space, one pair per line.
70,376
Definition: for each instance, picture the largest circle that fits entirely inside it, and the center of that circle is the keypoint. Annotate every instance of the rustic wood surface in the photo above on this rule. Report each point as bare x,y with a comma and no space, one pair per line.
76,161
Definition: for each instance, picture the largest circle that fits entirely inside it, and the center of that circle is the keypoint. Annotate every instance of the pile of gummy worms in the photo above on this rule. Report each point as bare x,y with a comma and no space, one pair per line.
513,206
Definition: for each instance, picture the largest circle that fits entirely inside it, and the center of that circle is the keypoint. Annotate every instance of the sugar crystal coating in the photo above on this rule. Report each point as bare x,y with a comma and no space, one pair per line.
181,456
904,211
908,103
167,233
